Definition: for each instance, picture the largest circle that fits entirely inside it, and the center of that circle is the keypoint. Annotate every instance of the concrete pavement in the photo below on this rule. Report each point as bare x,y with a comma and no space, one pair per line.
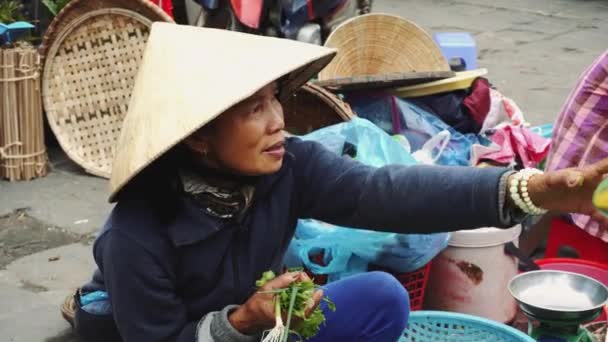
534,49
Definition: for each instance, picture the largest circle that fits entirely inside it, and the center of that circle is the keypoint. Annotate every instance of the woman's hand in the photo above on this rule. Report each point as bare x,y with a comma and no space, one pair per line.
569,190
258,313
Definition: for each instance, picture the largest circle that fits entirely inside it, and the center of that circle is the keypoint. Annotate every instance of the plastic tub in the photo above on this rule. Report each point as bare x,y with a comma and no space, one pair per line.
471,276
446,326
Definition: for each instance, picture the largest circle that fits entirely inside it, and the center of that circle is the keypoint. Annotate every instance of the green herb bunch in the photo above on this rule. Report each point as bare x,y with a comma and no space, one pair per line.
293,301
10,11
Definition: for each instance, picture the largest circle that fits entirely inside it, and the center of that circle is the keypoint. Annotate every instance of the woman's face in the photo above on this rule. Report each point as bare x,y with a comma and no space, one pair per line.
247,139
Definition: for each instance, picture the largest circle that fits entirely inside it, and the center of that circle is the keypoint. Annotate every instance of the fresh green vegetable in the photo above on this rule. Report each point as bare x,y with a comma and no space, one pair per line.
293,301
266,277
10,11
600,197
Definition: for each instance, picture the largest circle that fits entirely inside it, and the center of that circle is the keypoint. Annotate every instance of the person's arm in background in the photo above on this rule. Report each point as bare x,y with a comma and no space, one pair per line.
580,127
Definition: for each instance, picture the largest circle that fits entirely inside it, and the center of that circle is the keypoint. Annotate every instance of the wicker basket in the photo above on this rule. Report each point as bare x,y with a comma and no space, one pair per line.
87,82
77,8
313,107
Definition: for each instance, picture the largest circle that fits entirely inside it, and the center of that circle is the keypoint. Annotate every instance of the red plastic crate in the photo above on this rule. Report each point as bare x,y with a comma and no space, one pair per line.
588,247
414,282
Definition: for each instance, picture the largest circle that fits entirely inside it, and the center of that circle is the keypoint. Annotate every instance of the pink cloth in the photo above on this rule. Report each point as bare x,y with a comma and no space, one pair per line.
510,144
502,110
580,136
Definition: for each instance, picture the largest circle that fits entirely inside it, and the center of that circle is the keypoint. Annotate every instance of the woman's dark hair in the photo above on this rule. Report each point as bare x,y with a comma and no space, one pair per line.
158,184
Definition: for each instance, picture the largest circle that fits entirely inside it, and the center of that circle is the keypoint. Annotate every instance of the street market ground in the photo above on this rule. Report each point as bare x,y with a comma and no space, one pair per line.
534,51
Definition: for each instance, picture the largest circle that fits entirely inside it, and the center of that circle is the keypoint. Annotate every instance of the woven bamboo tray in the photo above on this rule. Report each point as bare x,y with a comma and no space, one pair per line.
87,81
313,107
77,8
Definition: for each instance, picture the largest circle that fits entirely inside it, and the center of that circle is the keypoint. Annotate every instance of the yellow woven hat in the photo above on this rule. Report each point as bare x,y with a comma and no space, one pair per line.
190,75
381,44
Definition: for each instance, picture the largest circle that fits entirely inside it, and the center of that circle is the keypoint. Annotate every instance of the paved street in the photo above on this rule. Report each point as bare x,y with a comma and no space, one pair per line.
534,51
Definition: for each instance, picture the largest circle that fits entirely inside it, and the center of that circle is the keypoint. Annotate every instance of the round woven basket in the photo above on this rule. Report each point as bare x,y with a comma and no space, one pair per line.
381,44
311,108
87,82
77,8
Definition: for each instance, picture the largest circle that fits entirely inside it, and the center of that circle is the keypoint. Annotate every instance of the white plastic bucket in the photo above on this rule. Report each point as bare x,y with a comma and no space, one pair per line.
472,275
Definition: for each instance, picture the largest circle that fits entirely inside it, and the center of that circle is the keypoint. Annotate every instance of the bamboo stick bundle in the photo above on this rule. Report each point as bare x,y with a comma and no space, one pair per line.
15,139
19,58
10,143
22,150
24,69
3,104
8,125
35,93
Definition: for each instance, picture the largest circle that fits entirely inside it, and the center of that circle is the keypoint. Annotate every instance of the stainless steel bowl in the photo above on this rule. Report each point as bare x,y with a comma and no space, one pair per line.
559,296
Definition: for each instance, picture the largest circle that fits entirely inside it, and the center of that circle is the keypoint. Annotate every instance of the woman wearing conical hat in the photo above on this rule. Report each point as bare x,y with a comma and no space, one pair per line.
209,190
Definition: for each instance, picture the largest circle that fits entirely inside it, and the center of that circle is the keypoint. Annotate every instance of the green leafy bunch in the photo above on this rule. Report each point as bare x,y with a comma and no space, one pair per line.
10,11
298,296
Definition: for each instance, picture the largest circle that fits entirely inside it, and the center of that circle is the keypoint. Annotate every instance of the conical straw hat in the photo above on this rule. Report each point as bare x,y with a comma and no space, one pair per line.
189,75
381,44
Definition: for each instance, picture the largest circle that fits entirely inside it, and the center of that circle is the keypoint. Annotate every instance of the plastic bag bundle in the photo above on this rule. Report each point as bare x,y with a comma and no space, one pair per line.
399,116
373,146
348,251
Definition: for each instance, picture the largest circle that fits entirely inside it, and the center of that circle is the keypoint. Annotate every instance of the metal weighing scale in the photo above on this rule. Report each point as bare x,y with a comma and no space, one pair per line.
544,330
557,303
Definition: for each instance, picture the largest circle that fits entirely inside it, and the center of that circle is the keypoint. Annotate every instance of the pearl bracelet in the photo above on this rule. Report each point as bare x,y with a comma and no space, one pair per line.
519,192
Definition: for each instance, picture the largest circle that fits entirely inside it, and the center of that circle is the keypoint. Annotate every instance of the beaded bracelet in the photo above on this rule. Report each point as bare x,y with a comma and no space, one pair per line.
519,192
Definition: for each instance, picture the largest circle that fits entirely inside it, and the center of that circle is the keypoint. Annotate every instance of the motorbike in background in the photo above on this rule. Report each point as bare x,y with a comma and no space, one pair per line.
309,21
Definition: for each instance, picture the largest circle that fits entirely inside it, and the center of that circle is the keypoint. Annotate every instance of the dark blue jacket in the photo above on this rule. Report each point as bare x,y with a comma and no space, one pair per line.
164,272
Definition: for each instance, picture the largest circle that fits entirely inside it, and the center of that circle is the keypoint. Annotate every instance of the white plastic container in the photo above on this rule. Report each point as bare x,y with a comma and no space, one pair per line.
471,275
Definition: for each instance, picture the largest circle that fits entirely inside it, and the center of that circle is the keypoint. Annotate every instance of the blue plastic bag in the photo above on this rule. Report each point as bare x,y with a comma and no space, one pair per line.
545,131
97,303
348,251
400,116
374,146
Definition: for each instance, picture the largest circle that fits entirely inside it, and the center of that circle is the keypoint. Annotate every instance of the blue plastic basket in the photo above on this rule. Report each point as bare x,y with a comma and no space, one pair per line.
440,326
